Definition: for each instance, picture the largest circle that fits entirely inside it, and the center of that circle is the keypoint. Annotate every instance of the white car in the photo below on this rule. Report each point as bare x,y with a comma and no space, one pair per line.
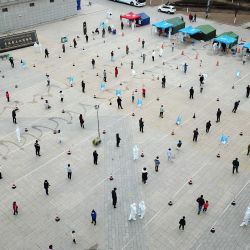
169,9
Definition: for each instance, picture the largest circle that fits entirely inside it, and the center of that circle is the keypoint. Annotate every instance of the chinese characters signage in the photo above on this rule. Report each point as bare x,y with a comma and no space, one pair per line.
17,41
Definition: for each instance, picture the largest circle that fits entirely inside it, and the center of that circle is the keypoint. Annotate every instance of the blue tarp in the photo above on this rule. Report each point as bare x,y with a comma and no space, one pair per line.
225,39
162,25
78,2
189,30
144,19
246,45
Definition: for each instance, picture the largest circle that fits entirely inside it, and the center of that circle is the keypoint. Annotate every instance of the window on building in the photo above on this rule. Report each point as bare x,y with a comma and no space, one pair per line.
32,4
4,9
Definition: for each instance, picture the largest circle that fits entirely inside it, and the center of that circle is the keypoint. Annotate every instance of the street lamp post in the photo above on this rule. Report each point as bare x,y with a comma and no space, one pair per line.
98,126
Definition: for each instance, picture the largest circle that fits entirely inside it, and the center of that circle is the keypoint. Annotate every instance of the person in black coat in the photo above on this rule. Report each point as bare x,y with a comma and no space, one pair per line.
46,186
163,81
119,102
141,125
208,126
247,91
14,116
200,202
236,105
83,86
218,114
236,165
182,223
114,197
118,140
191,93
46,53
95,157
37,148
144,175
195,136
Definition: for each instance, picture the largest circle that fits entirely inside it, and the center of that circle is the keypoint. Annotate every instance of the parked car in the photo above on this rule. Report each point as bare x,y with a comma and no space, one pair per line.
169,9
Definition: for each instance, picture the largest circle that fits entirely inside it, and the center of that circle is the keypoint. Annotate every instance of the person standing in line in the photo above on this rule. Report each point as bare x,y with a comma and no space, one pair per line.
7,96
143,57
69,172
236,105
205,206
11,59
133,97
104,75
163,81
93,63
153,56
118,140
157,163
191,93
131,65
63,48
161,111
95,157
81,121
103,33
248,149
201,87
112,56
185,67
74,42
144,175
46,53
169,154
141,125
73,235
178,146
172,47
236,165
15,208
46,187
143,92
37,148
61,95
208,126
93,217
83,86
122,25
218,114
14,116
48,80
116,72
195,17
114,197
87,38
200,202
143,43
182,223
119,102
195,136
247,91
127,49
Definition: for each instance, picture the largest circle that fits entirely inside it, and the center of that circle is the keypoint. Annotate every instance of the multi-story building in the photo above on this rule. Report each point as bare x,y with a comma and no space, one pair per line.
21,14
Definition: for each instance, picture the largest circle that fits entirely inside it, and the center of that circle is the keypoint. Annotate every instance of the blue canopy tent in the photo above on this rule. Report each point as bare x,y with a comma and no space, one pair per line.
246,45
163,27
143,20
225,39
187,32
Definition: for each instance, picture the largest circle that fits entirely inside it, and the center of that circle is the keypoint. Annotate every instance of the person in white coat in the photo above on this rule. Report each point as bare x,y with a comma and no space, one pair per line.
141,209
133,212
169,154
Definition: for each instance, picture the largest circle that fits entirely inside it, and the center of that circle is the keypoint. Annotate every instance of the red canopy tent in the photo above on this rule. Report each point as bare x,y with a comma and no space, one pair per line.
130,16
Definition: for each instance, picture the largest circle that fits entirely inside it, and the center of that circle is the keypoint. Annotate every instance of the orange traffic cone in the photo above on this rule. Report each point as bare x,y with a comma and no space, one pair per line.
190,182
69,152
172,132
142,154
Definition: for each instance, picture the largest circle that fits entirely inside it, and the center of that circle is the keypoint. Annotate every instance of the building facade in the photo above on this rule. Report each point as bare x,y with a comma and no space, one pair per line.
22,14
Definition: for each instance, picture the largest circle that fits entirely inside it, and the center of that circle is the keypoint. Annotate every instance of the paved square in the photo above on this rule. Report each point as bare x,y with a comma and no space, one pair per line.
73,200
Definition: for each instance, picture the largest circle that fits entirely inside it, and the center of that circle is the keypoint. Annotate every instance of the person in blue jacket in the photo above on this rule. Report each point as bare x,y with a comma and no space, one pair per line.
93,217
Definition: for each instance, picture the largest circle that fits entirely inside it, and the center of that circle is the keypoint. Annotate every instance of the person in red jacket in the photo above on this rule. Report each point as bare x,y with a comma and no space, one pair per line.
205,206
15,208
116,71
7,96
